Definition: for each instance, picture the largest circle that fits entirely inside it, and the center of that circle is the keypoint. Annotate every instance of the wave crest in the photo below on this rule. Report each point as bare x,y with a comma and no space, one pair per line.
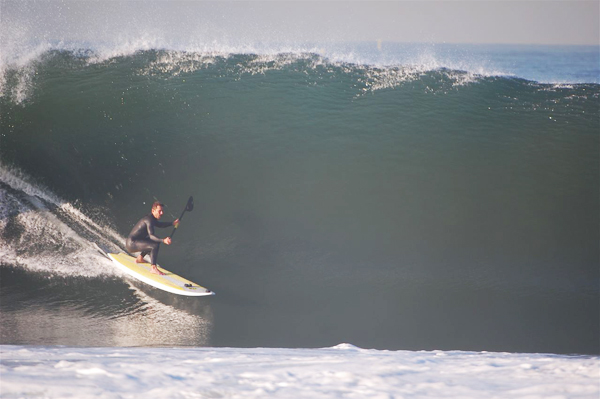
18,80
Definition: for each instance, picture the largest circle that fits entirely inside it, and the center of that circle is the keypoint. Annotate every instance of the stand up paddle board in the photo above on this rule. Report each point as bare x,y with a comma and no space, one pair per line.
169,282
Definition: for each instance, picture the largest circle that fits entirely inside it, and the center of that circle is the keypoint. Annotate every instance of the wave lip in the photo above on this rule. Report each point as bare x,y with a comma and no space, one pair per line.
372,69
543,64
28,29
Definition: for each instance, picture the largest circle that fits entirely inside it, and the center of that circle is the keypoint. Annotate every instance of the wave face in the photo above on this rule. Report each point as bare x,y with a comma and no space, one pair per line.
399,206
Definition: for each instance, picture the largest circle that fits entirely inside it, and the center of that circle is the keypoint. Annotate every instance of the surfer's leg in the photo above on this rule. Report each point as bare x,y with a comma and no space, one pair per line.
154,252
153,257
144,246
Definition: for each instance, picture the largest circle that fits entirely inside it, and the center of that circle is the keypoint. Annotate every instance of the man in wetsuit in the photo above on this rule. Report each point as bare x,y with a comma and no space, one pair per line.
142,238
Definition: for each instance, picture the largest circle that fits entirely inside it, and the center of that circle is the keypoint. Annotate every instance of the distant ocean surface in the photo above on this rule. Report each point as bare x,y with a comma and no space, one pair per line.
415,197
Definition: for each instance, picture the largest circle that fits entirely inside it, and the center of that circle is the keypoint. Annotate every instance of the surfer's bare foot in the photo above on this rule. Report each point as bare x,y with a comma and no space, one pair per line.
139,259
155,270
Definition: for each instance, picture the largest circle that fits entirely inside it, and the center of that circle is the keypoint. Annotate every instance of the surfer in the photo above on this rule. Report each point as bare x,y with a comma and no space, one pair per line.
142,238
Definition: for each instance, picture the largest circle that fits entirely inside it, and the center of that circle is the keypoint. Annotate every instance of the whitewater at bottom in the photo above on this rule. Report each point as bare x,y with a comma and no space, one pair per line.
341,371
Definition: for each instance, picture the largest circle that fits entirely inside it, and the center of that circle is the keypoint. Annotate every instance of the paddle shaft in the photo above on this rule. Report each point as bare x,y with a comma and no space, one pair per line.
189,206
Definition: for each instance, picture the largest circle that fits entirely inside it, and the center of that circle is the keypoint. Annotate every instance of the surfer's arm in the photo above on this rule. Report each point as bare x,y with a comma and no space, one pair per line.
151,235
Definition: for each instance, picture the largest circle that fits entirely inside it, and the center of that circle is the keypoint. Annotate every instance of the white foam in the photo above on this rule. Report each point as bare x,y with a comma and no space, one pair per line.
342,371
41,226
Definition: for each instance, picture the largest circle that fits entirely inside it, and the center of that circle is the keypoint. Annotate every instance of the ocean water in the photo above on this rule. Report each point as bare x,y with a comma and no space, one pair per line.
393,196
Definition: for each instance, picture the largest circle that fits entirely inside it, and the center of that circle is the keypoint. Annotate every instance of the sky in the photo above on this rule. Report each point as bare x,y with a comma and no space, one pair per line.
511,22
446,21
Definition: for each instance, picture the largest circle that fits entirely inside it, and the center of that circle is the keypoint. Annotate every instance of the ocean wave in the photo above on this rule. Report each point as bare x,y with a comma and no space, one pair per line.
314,177
18,79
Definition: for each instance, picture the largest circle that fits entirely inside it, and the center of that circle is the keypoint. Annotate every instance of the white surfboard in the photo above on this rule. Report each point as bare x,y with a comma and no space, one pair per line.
169,282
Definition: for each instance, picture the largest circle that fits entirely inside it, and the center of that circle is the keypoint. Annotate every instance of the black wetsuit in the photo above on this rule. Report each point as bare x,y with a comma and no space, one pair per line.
142,238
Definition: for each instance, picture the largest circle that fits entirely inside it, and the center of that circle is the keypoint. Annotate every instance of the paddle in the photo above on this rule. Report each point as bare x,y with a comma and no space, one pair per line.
188,207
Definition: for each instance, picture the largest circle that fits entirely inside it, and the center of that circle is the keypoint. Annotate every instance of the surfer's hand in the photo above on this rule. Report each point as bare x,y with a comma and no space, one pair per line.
167,240
176,223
